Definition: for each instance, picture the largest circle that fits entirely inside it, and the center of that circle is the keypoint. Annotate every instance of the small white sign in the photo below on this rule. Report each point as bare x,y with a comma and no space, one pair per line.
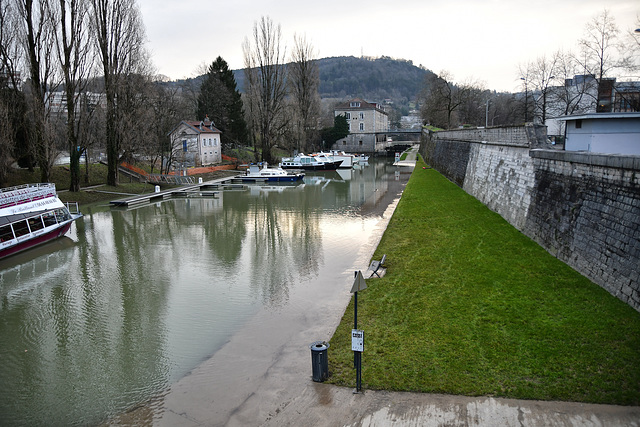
357,340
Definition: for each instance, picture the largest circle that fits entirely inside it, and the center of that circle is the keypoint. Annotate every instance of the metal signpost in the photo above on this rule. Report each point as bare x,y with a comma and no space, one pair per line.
357,336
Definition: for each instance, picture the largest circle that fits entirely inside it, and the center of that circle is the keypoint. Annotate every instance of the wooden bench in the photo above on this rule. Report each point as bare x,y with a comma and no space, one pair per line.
375,266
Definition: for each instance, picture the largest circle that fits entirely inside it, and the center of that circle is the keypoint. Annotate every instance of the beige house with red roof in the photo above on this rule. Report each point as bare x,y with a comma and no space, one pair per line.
368,126
196,143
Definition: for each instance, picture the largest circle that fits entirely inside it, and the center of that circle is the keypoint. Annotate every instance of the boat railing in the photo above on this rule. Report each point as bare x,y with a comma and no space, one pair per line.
27,186
72,207
25,193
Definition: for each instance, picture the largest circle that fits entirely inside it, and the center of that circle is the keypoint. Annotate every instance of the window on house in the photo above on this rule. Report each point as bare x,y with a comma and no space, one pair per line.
360,142
347,115
361,126
578,124
344,142
361,116
355,104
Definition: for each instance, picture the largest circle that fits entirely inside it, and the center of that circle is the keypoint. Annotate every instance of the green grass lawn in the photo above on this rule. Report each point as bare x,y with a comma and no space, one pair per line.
469,305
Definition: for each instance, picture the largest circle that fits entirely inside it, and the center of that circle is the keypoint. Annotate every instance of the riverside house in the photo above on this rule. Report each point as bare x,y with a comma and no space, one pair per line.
196,143
368,126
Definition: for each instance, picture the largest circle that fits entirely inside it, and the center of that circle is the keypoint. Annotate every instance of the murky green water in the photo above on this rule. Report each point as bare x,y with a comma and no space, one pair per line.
132,300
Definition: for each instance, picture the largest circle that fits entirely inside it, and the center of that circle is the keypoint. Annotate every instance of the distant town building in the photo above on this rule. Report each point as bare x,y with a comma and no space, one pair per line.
196,143
11,80
86,101
411,121
368,126
586,96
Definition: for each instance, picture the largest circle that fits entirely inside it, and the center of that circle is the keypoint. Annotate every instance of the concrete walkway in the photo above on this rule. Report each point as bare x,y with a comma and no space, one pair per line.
325,405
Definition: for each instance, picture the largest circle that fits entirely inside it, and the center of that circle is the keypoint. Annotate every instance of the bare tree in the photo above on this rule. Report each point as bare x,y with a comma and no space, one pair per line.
265,85
119,36
442,99
75,57
603,51
37,36
9,84
10,45
539,76
575,93
6,140
304,80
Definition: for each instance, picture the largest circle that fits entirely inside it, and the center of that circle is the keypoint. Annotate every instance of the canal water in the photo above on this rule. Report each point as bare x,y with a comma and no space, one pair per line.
133,300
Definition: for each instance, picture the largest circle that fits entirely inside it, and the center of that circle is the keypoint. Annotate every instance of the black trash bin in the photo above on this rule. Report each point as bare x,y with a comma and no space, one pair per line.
319,360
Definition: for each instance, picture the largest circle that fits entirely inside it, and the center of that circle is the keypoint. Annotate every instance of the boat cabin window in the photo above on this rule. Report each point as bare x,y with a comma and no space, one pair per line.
62,215
20,228
35,223
6,233
49,219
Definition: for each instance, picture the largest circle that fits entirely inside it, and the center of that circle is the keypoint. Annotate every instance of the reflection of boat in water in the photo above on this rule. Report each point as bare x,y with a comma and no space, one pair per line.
279,187
25,272
267,174
345,174
302,161
323,180
30,215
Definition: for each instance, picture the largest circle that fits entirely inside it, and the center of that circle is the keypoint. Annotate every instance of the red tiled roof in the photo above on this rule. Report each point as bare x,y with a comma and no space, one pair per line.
206,126
364,105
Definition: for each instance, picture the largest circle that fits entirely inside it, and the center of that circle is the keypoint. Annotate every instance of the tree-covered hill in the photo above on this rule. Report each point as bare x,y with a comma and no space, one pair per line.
372,79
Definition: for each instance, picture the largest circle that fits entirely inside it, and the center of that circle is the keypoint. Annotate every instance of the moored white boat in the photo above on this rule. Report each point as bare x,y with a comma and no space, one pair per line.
267,174
302,161
363,158
30,215
348,160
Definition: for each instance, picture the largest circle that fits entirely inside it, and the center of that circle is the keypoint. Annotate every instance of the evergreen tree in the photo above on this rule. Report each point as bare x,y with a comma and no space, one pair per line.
220,100
339,130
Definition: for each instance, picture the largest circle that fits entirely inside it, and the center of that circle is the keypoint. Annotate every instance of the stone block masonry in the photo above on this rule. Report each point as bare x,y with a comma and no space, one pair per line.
584,208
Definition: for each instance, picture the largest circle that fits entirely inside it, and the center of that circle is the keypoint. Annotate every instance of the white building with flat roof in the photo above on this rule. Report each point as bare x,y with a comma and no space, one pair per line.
610,133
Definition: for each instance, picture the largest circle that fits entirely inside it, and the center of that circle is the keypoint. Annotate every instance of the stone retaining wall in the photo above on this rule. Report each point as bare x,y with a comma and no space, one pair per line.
583,208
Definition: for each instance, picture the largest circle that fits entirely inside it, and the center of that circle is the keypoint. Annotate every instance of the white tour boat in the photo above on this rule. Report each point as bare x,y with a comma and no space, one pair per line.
30,215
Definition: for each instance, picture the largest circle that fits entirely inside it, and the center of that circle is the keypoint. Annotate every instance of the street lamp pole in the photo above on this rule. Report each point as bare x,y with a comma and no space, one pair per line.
526,100
544,100
486,115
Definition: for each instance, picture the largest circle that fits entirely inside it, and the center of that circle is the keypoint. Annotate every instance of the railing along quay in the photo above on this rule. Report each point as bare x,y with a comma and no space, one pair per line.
206,189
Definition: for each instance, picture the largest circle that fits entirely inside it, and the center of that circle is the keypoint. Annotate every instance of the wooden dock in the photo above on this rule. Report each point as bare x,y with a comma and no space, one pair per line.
206,189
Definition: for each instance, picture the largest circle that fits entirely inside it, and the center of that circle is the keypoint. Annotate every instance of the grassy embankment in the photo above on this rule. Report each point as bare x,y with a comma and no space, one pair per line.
471,306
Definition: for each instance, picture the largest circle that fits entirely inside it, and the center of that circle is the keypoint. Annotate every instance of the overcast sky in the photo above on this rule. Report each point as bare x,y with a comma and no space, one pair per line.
480,40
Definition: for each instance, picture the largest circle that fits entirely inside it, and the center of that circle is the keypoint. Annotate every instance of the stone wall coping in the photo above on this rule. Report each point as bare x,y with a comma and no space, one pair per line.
617,161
